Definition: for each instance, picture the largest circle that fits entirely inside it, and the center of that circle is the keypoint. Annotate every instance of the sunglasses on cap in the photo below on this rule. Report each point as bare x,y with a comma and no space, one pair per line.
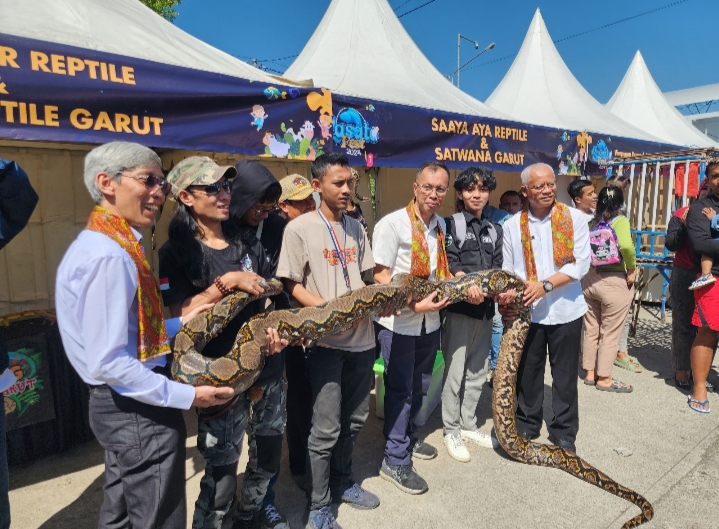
213,189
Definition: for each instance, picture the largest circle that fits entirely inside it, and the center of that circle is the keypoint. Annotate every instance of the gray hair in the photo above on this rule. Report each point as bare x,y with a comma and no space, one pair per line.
114,158
527,172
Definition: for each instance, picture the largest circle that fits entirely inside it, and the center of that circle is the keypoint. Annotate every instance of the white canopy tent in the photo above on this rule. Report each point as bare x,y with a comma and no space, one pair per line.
123,27
540,89
360,49
639,101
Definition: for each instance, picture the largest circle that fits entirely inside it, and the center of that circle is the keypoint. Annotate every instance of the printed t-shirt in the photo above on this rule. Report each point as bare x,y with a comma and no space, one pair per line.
308,256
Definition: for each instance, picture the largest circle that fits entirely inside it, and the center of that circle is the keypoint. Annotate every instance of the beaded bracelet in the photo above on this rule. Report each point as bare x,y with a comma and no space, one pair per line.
221,287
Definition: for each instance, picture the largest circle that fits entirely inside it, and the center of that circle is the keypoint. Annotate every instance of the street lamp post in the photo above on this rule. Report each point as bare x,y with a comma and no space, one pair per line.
459,42
491,46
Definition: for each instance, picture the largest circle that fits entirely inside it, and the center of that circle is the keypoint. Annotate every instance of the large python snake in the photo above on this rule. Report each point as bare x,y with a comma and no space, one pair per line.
241,367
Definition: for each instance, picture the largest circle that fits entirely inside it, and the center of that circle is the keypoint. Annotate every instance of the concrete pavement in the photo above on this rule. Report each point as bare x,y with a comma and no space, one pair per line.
673,462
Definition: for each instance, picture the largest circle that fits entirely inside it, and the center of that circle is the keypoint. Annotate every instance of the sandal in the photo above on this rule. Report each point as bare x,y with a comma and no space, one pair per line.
616,387
692,402
629,364
590,382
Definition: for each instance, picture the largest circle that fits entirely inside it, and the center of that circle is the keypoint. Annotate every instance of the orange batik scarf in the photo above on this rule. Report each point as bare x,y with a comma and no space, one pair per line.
562,239
152,338
420,264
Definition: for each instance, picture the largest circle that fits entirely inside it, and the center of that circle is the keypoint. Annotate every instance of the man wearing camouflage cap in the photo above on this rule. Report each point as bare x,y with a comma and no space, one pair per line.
205,258
296,197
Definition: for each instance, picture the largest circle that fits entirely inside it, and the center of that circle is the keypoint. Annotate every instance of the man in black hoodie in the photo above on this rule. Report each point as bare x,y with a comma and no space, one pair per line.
17,202
706,313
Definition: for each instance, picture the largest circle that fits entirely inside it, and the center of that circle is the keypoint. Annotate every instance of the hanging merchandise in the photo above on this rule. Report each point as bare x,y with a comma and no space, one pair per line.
692,181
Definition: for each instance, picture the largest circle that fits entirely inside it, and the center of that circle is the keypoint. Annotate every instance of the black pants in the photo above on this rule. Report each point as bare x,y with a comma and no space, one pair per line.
564,343
340,383
299,408
144,462
408,364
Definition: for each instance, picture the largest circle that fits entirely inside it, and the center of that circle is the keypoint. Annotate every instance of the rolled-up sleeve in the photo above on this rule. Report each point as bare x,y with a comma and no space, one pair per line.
105,302
579,268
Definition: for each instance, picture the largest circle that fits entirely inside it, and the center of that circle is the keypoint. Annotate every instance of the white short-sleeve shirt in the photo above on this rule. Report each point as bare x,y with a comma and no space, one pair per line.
392,247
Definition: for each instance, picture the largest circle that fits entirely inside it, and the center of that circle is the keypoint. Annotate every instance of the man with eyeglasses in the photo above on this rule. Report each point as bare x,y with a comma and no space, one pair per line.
547,245
411,241
109,312
205,258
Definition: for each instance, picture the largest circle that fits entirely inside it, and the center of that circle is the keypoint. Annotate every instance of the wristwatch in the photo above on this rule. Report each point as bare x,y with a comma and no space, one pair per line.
548,286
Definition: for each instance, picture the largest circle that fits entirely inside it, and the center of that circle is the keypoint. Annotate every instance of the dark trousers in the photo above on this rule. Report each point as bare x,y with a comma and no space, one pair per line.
408,362
144,462
564,343
4,476
340,383
299,408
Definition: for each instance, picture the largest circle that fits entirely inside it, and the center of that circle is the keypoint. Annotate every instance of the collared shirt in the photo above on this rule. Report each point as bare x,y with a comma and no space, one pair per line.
96,301
563,304
392,247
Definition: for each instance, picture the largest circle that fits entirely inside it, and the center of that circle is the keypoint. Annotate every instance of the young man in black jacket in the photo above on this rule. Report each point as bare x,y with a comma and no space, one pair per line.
204,259
706,313
474,243
17,202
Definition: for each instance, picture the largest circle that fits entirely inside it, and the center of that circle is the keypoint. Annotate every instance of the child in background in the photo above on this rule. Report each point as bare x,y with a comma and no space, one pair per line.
706,262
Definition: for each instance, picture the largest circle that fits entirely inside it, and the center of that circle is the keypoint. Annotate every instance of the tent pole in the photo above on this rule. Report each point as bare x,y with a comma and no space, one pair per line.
641,208
686,183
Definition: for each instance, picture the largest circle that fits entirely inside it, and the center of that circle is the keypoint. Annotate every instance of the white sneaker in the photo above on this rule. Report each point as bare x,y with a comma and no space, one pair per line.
456,448
482,439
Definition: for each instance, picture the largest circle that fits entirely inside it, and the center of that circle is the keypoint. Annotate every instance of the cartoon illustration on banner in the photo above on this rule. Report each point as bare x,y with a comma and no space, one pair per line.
302,144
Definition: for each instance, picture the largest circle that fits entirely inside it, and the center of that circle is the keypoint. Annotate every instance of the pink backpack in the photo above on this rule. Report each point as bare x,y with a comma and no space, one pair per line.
603,246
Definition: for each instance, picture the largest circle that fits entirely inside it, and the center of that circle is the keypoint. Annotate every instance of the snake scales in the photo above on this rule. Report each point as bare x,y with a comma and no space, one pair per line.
241,367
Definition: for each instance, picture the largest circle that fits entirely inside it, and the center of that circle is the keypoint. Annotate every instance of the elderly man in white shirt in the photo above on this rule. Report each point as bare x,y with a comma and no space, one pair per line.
547,245
118,346
411,241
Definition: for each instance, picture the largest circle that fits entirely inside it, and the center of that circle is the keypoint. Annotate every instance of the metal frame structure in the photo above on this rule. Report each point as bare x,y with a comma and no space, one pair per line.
648,206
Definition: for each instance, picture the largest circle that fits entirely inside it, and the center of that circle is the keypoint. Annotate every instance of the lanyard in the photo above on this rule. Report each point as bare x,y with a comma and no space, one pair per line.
336,244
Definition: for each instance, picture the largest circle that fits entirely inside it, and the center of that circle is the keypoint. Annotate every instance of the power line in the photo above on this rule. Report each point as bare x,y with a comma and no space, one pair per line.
416,8
589,31
402,4
279,59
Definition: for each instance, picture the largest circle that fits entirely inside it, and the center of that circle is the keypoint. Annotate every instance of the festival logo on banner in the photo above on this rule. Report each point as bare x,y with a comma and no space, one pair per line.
301,144
352,133
29,400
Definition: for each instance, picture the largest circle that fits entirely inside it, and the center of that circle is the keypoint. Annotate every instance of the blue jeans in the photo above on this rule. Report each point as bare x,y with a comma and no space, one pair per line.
497,330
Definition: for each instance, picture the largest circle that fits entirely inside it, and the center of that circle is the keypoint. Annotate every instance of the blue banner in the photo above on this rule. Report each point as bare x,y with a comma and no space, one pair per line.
53,92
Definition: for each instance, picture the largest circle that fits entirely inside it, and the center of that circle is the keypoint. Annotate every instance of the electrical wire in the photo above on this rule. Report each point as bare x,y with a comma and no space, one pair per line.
589,31
416,8
402,4
279,59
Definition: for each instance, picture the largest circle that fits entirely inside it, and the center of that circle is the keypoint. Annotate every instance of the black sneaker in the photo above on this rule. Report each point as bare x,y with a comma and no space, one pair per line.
564,443
355,496
270,518
422,450
403,477
528,436
248,523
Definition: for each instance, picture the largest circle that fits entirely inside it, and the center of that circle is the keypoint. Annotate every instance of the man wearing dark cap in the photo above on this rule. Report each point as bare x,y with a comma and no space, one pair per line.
205,258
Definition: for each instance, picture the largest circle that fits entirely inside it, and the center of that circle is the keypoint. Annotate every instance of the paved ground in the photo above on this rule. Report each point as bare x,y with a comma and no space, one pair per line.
675,454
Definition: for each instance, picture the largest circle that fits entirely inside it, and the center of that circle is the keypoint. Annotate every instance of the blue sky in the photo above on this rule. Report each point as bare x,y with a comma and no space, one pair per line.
680,44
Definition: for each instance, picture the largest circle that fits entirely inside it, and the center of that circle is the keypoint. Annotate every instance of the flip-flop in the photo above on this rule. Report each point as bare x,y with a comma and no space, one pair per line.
700,403
616,387
629,364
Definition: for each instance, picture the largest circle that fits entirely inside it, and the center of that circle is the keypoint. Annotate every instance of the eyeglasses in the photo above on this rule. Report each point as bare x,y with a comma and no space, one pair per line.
213,189
151,182
540,187
264,211
427,189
